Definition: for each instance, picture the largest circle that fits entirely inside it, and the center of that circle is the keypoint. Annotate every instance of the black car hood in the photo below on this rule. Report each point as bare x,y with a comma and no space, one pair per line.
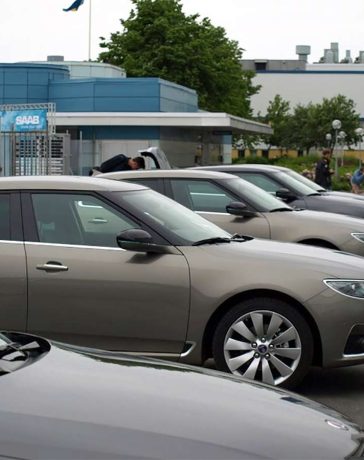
73,405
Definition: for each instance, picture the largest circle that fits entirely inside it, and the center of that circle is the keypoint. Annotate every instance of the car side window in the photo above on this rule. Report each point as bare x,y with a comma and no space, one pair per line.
261,181
154,184
4,217
78,219
200,195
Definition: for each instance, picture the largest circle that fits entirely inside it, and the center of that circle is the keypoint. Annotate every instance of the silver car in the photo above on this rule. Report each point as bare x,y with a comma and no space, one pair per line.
238,206
115,265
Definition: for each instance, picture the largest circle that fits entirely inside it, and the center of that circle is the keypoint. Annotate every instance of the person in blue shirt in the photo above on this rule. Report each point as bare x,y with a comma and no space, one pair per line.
357,179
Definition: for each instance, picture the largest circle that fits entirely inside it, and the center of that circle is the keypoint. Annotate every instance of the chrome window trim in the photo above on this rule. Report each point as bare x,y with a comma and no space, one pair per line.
79,246
213,212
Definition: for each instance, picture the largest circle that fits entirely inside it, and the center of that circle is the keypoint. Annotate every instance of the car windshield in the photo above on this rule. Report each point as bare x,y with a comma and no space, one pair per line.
186,226
261,200
304,180
294,185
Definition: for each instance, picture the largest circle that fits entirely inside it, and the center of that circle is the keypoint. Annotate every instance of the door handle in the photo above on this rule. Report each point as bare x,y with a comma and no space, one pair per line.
52,267
97,220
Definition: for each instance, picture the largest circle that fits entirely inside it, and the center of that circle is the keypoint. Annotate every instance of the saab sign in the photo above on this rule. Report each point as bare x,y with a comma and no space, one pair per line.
23,120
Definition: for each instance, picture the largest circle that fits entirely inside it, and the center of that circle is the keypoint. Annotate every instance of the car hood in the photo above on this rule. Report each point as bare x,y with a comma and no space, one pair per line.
352,196
73,404
335,203
265,256
355,224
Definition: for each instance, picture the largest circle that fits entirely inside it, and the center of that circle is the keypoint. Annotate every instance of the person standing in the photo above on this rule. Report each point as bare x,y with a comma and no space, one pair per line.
323,171
356,180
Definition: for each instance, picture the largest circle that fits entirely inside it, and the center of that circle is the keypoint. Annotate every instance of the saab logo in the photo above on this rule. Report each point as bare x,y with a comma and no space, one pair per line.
27,120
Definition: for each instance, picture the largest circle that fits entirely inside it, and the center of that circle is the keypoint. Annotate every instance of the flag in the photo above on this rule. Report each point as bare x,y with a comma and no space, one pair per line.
75,5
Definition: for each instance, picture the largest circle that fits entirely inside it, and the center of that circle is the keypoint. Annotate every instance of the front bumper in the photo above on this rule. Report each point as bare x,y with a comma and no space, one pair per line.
340,321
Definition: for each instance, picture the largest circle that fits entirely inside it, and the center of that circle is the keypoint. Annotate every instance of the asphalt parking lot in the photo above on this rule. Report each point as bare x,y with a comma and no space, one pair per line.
341,389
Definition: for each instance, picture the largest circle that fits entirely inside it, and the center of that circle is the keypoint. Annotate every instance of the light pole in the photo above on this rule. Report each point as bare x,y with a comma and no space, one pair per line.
329,139
342,136
336,125
359,132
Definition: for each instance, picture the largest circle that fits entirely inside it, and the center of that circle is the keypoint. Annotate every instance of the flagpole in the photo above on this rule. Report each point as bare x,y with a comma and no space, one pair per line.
89,31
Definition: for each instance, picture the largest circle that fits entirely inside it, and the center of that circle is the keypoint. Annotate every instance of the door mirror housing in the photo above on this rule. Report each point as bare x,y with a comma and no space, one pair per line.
237,208
139,240
285,194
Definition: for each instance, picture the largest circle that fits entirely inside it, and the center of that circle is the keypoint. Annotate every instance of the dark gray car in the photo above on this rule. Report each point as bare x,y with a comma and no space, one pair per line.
60,402
296,193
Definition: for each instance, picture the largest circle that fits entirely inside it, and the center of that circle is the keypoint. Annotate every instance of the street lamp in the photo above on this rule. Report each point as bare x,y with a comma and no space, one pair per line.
329,139
359,132
342,136
336,125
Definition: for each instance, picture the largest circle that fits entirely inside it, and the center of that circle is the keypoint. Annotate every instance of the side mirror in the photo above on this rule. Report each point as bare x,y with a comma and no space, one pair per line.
139,240
236,208
285,194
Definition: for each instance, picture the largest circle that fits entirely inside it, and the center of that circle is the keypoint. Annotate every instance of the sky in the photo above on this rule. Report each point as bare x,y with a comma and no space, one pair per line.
31,30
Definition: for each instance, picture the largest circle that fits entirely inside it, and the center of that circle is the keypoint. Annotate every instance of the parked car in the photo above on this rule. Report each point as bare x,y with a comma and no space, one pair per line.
317,187
62,402
238,206
114,265
296,193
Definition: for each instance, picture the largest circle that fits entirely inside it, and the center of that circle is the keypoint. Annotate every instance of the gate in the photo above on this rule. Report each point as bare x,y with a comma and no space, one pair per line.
29,144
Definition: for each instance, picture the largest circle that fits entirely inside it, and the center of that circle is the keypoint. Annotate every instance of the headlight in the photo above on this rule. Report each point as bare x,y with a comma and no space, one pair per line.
358,236
349,288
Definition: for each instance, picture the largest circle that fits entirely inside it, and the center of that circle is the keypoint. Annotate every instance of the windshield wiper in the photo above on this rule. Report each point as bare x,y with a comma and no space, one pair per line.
314,194
281,209
213,240
218,239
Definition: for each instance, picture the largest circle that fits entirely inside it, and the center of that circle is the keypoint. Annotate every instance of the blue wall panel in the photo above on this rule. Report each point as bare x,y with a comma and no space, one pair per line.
16,92
176,98
16,77
25,83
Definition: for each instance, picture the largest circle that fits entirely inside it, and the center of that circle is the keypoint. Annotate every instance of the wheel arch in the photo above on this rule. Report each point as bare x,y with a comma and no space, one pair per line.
232,301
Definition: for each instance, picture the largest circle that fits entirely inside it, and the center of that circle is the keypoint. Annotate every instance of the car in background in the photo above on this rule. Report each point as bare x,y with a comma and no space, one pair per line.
64,402
240,207
318,188
287,187
114,265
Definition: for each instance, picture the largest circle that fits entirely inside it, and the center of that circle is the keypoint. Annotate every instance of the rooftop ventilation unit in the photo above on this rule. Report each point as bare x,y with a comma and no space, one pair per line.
303,51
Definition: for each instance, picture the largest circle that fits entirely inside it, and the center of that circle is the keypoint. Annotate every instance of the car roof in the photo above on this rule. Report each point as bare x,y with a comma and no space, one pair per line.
179,173
245,167
64,183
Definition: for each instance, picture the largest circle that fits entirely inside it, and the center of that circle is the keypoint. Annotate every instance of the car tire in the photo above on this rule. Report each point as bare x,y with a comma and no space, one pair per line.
266,340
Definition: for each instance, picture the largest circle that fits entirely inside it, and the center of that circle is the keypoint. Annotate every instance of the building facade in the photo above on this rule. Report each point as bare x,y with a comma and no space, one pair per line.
98,117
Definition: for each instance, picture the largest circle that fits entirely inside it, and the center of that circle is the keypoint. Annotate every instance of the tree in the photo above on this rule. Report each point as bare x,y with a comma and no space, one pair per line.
159,40
337,108
278,118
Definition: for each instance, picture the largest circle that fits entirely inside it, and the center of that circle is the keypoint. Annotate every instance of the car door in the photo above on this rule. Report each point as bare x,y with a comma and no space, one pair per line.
84,289
209,199
13,275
